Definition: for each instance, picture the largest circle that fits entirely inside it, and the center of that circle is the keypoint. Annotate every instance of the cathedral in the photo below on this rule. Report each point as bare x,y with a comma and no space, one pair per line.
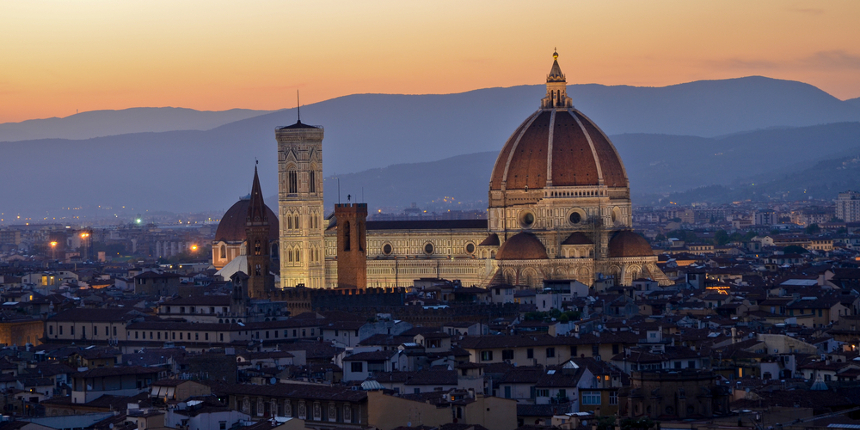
559,208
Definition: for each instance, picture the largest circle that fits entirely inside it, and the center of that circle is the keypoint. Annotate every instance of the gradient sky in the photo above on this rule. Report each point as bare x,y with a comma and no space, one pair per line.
57,57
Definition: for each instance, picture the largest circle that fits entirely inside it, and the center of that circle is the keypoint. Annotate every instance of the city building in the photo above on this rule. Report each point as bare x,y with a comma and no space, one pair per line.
848,206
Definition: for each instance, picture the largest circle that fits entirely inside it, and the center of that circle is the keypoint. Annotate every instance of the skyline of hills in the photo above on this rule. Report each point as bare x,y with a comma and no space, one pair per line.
99,123
660,133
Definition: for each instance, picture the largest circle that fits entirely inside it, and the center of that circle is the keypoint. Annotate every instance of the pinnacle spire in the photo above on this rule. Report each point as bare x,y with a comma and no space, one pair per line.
256,207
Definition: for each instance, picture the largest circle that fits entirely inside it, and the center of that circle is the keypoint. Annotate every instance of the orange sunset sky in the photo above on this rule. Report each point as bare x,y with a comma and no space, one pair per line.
57,57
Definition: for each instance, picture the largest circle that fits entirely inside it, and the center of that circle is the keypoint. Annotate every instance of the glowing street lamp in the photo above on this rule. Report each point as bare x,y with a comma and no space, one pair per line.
53,249
193,248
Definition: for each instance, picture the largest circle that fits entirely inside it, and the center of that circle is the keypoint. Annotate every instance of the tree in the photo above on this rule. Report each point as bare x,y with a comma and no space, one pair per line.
637,424
606,423
813,229
721,237
660,237
794,249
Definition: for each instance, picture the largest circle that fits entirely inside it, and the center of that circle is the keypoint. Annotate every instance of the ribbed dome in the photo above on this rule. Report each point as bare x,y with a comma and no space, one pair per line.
561,147
626,243
232,225
522,246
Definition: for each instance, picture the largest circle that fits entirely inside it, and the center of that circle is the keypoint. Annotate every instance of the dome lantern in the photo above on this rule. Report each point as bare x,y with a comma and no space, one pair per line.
556,88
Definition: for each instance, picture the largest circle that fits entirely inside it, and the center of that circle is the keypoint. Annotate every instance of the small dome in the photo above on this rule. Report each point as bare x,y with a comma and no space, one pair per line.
577,238
626,243
491,240
522,246
232,225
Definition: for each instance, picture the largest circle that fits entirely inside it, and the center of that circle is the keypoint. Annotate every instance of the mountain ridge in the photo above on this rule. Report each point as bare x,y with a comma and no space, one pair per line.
184,170
107,122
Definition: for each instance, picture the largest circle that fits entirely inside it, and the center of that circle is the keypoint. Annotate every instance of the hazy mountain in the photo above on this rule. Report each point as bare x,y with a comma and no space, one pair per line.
459,182
376,130
659,163
98,123
855,102
198,170
822,180
654,163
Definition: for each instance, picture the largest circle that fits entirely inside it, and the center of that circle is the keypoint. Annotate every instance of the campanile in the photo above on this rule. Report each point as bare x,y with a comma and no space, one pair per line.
300,205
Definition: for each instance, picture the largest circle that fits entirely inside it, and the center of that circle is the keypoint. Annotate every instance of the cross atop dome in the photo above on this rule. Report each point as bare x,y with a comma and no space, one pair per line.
556,88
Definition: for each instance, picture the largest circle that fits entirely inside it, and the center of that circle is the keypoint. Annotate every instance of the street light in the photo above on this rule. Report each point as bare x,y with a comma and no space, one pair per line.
53,249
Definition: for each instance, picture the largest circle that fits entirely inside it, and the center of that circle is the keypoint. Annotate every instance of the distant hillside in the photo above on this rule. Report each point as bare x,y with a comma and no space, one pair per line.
854,102
660,164
655,164
823,180
99,123
198,170
462,181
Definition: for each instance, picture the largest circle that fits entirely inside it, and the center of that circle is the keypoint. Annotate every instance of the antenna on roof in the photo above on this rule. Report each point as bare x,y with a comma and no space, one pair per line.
298,108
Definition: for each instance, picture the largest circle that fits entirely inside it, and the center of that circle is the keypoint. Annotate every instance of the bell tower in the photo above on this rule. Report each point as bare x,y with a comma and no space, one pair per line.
351,245
300,205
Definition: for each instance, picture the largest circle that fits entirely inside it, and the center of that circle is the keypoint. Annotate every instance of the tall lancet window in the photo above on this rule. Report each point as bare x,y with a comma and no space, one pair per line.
313,181
294,181
346,236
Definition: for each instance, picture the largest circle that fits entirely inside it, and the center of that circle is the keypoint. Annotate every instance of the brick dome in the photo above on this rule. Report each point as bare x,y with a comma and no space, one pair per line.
558,147
522,246
232,225
626,243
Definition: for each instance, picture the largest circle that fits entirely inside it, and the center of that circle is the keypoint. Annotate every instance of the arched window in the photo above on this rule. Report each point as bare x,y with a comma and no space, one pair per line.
313,181
298,253
346,236
293,179
257,248
257,270
223,251
290,255
298,226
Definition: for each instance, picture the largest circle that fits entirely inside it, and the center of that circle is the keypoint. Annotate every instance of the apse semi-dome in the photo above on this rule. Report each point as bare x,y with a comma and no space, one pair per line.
626,243
232,225
522,246
557,146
